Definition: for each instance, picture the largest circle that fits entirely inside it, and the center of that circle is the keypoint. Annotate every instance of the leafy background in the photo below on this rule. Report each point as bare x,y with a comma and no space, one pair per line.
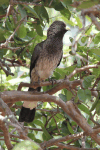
33,30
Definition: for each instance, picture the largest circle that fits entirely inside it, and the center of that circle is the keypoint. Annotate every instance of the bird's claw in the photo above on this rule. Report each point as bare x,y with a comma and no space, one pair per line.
65,77
52,80
39,81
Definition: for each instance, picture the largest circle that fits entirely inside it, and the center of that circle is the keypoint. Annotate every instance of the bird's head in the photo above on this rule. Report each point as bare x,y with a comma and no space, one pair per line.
57,28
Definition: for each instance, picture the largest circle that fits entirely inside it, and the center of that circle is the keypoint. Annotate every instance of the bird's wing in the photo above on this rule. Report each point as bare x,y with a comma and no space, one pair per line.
60,60
37,50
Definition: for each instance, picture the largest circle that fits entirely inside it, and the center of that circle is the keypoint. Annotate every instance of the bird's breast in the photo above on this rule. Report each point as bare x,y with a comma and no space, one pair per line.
46,65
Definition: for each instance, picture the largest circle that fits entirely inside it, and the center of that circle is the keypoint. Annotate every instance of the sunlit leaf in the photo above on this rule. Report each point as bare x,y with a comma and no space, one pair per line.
68,21
27,145
79,22
84,108
22,31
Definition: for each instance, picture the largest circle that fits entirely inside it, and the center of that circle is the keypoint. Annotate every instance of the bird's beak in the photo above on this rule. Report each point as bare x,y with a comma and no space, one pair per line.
67,28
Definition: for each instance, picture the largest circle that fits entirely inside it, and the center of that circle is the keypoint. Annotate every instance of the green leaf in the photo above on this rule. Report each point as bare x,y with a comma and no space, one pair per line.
4,2
44,13
2,12
96,102
31,135
84,39
44,104
8,78
66,3
2,52
96,51
79,22
57,75
69,69
38,30
22,11
48,136
88,31
84,108
22,31
98,86
66,71
87,81
98,107
66,13
38,122
64,128
37,141
84,94
68,21
87,4
69,95
2,38
78,62
44,119
63,97
96,40
19,103
96,71
58,6
27,145
51,122
9,25
32,11
70,128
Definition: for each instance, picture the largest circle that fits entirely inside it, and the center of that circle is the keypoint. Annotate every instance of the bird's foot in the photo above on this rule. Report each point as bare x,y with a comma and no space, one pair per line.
65,77
52,80
39,81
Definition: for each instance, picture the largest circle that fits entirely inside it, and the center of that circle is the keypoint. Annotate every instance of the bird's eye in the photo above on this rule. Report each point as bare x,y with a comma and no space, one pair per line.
64,25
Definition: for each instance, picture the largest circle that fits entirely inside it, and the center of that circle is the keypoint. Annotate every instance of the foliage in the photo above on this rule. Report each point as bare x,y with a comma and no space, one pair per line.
86,45
27,145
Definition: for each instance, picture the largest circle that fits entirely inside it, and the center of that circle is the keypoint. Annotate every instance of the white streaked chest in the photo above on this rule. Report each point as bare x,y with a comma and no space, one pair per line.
46,65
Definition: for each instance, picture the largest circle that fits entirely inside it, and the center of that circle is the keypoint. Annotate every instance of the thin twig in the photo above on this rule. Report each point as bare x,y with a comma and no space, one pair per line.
7,72
9,9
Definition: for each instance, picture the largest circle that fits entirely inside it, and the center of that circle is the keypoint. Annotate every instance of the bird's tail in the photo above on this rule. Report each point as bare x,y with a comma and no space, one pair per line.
28,109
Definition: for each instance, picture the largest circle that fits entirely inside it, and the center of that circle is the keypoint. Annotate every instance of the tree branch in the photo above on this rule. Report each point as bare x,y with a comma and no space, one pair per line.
77,70
74,148
93,12
5,130
66,138
94,20
9,9
69,107
8,71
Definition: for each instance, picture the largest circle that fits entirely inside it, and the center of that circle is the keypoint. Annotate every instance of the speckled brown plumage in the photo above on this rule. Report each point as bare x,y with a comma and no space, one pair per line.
46,57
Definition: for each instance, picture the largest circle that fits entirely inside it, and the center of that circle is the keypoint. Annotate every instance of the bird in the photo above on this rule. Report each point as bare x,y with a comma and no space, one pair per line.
46,57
